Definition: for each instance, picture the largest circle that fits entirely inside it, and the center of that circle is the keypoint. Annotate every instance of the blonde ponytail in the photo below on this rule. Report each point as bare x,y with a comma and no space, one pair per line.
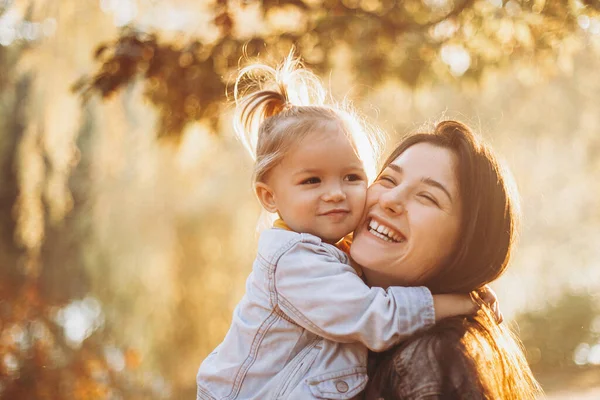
268,91
277,107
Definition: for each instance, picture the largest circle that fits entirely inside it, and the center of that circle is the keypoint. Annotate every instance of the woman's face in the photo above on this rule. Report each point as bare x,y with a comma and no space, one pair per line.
412,218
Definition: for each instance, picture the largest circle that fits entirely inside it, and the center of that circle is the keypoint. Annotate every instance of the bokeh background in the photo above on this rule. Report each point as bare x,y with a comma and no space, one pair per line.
127,219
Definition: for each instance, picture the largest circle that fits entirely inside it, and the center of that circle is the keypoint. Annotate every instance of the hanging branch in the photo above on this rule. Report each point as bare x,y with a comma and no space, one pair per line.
389,39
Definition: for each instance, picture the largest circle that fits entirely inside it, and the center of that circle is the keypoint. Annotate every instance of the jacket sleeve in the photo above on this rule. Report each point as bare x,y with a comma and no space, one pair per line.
326,297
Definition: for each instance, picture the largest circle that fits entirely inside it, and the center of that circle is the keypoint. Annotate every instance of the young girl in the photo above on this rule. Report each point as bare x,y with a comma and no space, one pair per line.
303,327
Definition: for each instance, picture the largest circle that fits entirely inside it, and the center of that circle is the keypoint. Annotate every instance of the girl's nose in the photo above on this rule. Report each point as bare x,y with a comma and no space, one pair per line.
334,194
392,202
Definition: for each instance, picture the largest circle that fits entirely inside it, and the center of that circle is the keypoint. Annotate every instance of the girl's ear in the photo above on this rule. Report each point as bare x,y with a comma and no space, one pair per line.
266,196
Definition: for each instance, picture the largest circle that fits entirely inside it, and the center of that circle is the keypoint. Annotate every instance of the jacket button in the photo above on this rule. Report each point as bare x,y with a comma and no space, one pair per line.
341,386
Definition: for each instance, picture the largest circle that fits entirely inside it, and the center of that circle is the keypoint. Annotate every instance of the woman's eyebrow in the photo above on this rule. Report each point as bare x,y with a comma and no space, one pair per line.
428,181
396,168
434,183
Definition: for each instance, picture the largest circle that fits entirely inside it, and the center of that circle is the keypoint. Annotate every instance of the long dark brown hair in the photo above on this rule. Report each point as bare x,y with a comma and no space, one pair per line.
490,355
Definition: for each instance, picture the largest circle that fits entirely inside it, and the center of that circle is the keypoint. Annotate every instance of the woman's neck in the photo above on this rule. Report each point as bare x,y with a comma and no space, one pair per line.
381,279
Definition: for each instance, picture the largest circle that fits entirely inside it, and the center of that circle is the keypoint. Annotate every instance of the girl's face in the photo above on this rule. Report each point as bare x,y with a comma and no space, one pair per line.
412,218
319,187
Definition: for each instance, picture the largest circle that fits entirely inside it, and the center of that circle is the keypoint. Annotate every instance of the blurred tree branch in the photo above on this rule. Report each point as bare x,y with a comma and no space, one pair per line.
37,280
390,39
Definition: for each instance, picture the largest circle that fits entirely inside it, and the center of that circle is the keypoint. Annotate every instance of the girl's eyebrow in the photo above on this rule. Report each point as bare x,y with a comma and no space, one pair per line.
428,181
352,167
306,171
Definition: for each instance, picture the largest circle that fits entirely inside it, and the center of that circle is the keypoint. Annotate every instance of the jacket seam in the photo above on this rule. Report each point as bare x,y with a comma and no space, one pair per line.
204,393
351,371
306,350
283,315
260,334
300,315
272,264
276,298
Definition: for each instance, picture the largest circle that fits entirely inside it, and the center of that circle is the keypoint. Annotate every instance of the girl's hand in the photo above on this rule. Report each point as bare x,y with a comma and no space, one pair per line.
487,296
453,305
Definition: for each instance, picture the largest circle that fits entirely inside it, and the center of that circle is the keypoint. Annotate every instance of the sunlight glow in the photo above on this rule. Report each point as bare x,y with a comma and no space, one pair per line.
80,319
580,355
436,4
583,21
8,31
163,16
594,355
11,363
19,337
513,8
457,58
124,11
114,358
594,26
585,354
368,156
496,3
445,29
13,27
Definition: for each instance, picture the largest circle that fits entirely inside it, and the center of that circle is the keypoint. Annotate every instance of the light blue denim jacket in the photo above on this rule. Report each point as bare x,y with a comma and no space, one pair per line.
303,327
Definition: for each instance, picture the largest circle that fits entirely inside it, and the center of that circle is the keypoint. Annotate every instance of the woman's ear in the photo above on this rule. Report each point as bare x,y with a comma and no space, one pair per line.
266,196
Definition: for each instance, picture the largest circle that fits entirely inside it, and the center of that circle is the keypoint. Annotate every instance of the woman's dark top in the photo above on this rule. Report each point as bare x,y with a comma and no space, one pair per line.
423,368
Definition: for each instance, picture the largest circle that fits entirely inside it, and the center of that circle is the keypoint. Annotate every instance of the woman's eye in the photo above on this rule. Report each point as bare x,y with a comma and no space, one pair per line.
310,181
353,177
387,178
430,199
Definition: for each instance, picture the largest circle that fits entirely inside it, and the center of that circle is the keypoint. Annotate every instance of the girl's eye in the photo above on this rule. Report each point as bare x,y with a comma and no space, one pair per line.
310,181
353,177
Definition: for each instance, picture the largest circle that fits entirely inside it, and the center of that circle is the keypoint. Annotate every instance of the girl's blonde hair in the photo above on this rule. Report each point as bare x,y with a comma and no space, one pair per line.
279,106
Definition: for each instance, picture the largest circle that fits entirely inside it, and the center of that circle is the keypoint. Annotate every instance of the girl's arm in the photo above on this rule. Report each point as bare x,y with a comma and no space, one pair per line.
326,297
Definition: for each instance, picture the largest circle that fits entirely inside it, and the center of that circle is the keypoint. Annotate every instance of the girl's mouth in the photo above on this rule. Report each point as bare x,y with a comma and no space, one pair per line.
384,232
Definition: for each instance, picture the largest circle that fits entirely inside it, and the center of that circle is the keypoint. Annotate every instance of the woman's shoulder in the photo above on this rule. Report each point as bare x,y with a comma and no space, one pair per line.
427,364
440,349
419,355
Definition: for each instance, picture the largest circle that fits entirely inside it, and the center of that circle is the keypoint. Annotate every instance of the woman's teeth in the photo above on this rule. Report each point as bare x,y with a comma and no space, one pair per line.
384,232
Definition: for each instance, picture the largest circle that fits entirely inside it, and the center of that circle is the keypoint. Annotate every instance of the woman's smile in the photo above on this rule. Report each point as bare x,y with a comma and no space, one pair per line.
385,232
411,225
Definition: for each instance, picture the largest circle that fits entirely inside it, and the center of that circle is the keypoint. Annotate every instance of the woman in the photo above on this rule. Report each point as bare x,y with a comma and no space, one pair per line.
445,195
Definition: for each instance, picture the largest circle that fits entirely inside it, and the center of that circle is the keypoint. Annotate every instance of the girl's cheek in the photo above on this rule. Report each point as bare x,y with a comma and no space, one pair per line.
373,194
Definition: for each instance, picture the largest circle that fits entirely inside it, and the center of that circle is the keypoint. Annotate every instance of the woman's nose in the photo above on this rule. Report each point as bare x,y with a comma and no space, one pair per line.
334,193
392,202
